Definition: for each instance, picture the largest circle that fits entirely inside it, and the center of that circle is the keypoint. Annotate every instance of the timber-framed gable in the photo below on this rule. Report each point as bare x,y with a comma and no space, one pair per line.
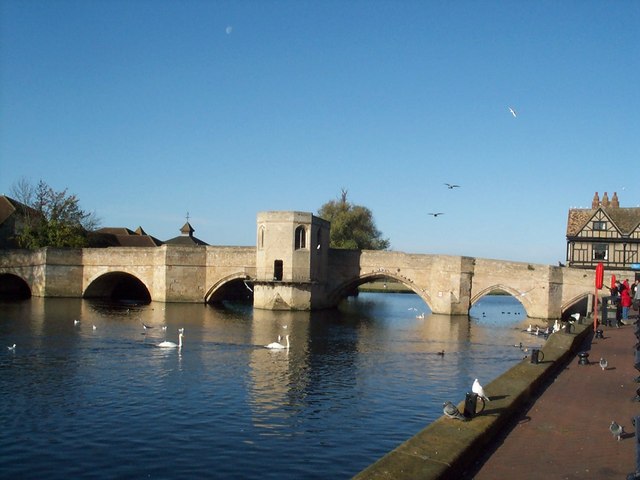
605,233
599,225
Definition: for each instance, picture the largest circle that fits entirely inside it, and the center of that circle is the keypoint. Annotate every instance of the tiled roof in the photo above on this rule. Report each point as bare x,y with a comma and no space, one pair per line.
185,240
625,219
115,231
122,237
8,206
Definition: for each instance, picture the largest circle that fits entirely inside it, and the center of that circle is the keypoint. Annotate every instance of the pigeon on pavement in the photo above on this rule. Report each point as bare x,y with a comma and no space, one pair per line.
603,363
616,430
451,411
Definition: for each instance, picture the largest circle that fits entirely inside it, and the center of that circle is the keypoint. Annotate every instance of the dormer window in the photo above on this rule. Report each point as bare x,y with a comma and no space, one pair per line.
599,225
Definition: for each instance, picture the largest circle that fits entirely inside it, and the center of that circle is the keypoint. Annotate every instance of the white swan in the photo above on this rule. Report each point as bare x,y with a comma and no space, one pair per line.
167,344
277,345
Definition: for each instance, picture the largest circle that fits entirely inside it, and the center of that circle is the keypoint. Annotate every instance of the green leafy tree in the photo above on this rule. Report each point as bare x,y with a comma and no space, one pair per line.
352,226
55,219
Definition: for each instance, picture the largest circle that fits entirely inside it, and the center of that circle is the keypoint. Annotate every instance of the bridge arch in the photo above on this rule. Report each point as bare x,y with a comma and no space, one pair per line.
578,304
500,288
235,287
14,287
343,290
118,286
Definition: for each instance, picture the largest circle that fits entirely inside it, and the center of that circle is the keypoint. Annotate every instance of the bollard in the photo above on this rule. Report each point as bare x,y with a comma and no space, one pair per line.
470,405
583,358
537,356
599,333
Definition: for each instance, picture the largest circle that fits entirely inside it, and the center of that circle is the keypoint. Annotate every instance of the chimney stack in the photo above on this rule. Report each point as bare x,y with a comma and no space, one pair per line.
614,200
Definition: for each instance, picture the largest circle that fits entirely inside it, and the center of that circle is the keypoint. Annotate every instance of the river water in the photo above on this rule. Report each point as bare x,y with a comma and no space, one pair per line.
99,399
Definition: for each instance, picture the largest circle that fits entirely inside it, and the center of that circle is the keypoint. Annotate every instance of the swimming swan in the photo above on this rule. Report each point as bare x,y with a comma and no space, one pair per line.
166,344
277,345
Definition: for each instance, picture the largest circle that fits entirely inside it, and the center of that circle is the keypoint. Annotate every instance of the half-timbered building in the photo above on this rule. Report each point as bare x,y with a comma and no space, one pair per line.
604,233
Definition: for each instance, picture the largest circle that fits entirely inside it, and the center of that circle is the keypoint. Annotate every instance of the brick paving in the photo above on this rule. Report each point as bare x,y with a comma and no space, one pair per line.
564,432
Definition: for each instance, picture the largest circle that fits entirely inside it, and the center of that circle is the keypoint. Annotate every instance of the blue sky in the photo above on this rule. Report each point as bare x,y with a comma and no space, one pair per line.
148,110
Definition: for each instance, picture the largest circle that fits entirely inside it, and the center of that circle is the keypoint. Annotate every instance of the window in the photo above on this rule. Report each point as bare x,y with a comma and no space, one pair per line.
301,237
600,251
599,225
277,270
261,238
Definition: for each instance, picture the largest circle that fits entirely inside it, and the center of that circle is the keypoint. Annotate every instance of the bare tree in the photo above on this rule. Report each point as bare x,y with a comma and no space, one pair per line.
53,218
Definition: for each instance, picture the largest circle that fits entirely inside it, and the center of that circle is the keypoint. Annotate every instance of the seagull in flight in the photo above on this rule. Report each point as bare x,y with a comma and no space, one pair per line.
451,186
436,213
513,112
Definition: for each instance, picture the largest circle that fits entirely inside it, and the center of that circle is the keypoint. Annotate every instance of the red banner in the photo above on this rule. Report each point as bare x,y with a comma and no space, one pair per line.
599,275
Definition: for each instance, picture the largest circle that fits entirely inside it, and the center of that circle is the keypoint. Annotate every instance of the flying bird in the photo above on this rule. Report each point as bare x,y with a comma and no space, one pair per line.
477,389
513,112
451,411
436,213
616,430
12,348
603,363
451,186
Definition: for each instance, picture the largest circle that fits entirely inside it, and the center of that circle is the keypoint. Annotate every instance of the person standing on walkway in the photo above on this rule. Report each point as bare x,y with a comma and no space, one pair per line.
614,299
625,303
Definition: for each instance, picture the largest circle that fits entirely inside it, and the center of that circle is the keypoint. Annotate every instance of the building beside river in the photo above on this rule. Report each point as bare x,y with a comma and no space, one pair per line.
604,233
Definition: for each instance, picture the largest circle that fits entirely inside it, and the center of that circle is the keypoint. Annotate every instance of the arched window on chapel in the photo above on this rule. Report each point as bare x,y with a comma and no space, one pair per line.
301,238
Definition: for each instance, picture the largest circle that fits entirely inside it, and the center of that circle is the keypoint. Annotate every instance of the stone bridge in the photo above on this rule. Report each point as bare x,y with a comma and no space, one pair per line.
447,284
291,268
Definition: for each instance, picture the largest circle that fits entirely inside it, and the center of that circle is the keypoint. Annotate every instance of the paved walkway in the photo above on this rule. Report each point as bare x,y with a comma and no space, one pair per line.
565,433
